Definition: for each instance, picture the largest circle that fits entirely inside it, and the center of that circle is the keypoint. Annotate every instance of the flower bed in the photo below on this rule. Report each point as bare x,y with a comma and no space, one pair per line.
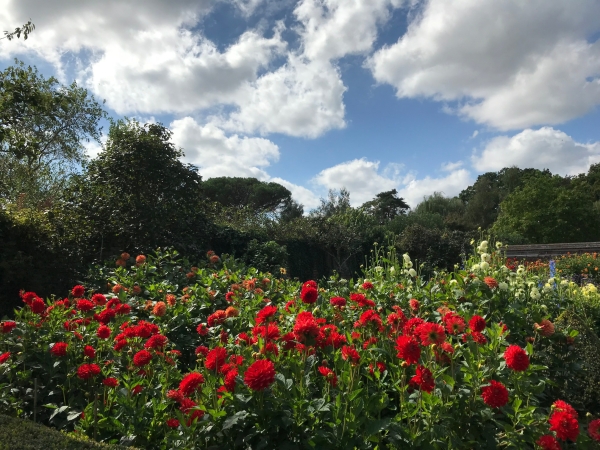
175,357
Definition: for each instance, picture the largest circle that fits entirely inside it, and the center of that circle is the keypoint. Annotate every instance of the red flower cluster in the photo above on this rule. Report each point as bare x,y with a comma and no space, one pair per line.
85,305
157,341
86,371
362,300
350,354
338,301
260,375
89,351
265,314
216,318
548,442
110,382
306,326
367,285
565,425
477,324
430,333
491,282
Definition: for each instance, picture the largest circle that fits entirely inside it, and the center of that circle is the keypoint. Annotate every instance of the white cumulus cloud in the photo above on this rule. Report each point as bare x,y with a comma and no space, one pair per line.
545,148
219,155
509,63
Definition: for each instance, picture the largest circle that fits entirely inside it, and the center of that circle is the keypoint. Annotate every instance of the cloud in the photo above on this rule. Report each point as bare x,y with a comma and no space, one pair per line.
335,28
545,148
301,98
509,64
414,189
218,155
359,176
451,166
299,193
143,60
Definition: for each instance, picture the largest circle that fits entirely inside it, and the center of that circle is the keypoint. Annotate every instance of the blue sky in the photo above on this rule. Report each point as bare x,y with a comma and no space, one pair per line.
370,95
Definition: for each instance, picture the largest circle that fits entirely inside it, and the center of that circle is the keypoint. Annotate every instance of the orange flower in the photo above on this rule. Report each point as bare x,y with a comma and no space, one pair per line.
232,312
117,288
137,289
140,259
125,256
160,309
171,299
121,262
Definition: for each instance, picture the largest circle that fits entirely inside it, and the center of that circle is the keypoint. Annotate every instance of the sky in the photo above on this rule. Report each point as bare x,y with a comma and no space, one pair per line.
421,96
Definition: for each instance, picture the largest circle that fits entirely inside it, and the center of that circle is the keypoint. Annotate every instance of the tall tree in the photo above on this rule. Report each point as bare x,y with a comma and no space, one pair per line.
43,127
136,195
386,206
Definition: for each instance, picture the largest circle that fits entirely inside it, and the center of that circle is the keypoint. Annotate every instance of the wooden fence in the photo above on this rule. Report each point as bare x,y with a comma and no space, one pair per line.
536,251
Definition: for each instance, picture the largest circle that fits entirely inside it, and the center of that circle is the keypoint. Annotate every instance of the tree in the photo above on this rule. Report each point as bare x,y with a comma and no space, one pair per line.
386,206
26,29
42,129
549,209
136,195
238,193
450,209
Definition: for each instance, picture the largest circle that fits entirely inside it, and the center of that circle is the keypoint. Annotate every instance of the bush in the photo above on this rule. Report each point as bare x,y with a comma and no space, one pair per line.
19,434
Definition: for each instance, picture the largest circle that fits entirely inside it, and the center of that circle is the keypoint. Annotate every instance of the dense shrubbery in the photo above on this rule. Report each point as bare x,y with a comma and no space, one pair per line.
157,354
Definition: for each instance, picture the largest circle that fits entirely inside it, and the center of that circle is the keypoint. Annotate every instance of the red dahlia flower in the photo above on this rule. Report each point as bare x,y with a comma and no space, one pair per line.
565,425
85,305
190,383
338,301
142,358
495,394
4,357
310,283
86,371
260,375
157,341
309,294
110,382
408,349
99,299
414,304
38,306
172,423
78,291
7,327
548,442
412,324
265,314
306,326
59,349
516,358
329,375
216,318
215,358
561,405
350,353
430,333
454,324
89,351
231,380
477,324
594,430
103,332
367,285
423,380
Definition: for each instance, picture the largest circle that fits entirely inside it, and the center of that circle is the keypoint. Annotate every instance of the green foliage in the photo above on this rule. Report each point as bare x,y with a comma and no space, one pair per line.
549,209
238,193
19,434
136,195
386,206
267,256
42,129
25,29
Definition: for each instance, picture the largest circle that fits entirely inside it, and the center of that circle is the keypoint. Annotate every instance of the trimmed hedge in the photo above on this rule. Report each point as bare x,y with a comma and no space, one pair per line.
20,434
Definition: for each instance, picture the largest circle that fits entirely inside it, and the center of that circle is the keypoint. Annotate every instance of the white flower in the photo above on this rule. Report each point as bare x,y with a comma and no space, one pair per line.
535,294
475,267
564,282
548,287
551,280
392,270
521,271
499,245
503,286
484,265
504,269
378,269
486,257
408,264
453,282
412,272
406,257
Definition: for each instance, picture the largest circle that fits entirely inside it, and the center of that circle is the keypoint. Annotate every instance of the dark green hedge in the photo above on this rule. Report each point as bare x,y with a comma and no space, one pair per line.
19,434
